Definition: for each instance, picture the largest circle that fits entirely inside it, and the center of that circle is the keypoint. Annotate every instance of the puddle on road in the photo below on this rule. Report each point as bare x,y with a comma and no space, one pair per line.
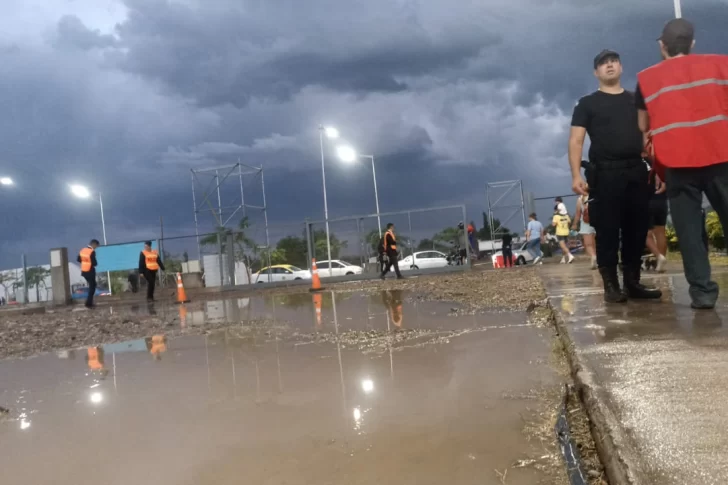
226,408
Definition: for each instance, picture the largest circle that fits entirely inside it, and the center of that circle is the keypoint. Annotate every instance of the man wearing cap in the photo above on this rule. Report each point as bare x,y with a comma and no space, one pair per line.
683,112
618,178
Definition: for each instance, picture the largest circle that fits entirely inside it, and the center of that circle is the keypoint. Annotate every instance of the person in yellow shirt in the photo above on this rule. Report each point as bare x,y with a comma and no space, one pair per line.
562,223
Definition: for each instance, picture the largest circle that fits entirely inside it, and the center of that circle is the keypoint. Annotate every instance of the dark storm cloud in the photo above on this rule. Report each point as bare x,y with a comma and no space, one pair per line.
73,33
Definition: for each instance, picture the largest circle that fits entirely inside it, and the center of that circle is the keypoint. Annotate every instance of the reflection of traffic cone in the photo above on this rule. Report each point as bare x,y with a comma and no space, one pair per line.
181,295
315,281
182,316
317,304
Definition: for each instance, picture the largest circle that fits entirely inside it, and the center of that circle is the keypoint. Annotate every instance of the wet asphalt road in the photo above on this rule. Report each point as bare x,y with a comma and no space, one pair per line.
660,369
425,397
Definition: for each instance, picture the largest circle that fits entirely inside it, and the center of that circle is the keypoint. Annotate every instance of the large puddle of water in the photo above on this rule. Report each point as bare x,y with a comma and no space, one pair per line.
279,404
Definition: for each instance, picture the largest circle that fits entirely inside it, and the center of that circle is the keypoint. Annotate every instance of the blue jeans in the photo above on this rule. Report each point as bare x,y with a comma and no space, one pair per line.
534,248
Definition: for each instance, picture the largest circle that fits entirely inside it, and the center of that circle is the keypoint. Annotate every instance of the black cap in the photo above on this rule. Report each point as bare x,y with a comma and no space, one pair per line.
677,30
603,56
148,243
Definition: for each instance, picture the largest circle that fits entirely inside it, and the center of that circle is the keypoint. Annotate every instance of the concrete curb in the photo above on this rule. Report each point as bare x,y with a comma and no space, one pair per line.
605,431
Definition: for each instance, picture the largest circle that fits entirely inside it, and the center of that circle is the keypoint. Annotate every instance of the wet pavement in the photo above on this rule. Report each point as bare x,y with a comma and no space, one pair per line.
293,394
660,371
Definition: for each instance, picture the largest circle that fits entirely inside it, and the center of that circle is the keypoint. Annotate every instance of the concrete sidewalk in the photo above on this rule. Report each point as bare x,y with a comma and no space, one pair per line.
654,376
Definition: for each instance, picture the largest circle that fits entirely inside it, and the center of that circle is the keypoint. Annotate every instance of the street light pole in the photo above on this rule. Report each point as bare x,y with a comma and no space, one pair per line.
326,204
678,9
103,232
376,193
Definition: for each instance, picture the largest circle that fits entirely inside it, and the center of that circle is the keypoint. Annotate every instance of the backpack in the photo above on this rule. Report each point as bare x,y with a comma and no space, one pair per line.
380,246
585,210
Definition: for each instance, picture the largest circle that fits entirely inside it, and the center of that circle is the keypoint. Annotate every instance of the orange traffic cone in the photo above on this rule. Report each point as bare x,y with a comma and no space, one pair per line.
181,295
315,280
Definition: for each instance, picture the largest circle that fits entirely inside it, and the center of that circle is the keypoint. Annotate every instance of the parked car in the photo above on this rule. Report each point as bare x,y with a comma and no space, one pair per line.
424,260
281,272
520,256
338,268
81,292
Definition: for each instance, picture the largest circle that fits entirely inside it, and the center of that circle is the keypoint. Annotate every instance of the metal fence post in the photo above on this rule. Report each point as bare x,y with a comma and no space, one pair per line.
25,279
467,241
309,243
219,257
230,250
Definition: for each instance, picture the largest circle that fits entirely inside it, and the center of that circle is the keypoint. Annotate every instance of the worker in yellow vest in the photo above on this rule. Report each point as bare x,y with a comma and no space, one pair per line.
149,264
87,258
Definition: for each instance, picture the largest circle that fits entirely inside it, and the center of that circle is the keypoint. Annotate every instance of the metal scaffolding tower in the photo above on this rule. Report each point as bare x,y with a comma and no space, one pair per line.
505,196
213,179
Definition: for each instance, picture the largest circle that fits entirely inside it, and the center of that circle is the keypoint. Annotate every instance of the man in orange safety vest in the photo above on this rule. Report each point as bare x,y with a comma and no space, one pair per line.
87,259
149,264
683,113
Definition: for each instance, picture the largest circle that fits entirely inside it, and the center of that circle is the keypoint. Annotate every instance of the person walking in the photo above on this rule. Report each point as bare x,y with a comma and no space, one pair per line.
507,250
390,248
683,113
87,258
561,221
473,240
656,237
535,235
149,264
586,230
617,185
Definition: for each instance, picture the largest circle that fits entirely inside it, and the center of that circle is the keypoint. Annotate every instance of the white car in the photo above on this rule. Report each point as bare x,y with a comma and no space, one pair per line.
423,260
338,268
520,255
281,272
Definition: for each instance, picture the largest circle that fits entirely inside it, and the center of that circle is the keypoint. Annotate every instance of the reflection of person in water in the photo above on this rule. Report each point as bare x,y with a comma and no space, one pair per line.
156,346
95,361
392,300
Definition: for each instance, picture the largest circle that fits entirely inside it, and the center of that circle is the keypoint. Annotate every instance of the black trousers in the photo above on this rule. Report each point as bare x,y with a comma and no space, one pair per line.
619,206
151,277
392,262
90,278
507,257
685,189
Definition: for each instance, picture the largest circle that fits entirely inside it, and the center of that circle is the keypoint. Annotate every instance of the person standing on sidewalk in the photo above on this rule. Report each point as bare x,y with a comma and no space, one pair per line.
87,258
561,222
656,236
587,231
617,184
683,112
535,235
149,264
507,250
390,248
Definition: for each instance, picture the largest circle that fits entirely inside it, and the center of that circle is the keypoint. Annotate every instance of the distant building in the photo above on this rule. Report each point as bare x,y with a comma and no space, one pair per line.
11,287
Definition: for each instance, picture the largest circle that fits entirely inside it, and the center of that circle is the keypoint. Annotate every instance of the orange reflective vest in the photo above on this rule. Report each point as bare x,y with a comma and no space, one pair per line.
159,344
85,255
687,100
95,361
393,245
151,259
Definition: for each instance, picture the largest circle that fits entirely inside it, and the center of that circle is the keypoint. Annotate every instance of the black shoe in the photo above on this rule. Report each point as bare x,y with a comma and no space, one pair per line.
400,277
702,306
634,289
612,292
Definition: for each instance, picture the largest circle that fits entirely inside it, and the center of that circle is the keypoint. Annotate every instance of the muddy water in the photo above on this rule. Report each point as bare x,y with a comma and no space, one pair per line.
270,407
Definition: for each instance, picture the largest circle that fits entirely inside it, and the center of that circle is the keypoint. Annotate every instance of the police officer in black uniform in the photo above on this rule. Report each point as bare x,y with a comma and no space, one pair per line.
618,178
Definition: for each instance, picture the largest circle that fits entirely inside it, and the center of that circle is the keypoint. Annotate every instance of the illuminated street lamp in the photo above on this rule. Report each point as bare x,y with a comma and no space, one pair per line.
6,181
348,154
84,193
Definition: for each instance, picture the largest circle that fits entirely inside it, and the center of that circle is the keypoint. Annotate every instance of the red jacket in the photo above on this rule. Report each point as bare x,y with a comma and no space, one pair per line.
687,100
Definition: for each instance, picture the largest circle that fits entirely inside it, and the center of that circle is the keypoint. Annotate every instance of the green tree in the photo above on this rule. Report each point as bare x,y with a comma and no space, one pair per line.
319,243
425,245
715,230
36,277
294,249
172,263
240,239
448,236
485,232
6,280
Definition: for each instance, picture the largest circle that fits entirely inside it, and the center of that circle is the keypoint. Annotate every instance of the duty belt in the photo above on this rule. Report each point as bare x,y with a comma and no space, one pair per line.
619,164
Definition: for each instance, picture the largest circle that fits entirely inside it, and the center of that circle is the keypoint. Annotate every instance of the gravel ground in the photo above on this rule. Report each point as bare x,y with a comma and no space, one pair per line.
62,328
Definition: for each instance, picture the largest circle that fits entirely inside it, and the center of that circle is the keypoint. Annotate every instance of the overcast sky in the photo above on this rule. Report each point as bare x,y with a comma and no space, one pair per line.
126,96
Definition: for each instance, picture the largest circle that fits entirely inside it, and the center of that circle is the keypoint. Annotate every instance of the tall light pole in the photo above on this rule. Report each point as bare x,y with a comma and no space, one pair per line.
678,9
83,193
330,133
348,154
